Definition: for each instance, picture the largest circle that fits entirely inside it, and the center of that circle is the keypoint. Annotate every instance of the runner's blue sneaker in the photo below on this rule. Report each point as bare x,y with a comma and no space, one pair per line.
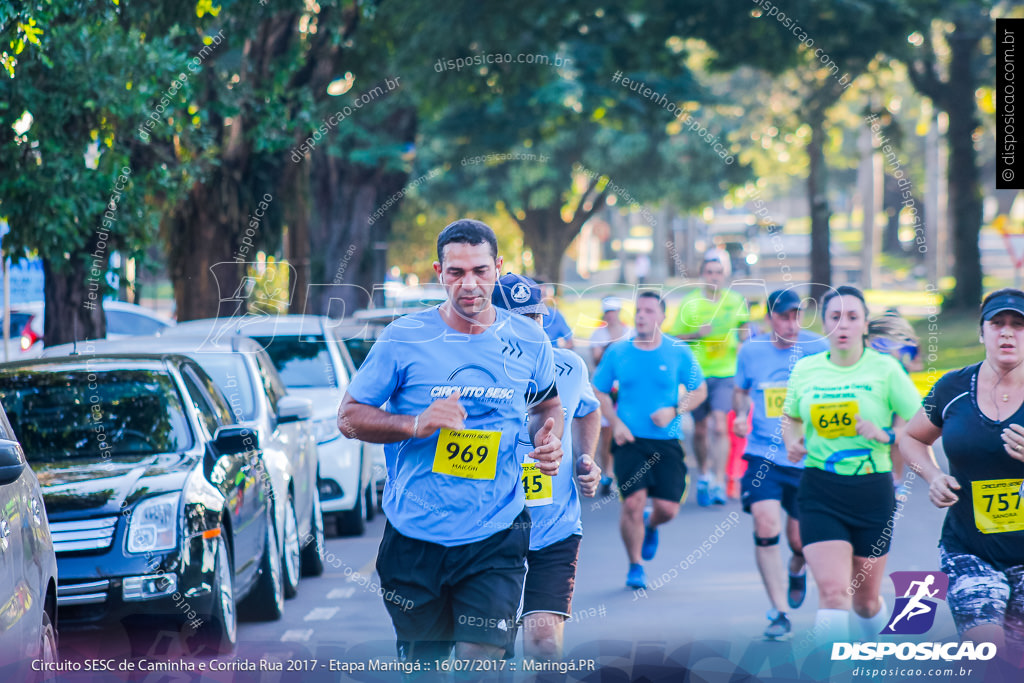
718,495
703,493
650,546
797,590
636,577
779,625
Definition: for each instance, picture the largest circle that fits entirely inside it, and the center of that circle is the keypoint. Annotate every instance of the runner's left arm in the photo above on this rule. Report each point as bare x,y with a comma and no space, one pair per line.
585,432
546,426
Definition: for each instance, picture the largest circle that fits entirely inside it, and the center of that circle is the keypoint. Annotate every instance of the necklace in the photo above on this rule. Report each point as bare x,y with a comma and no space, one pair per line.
1005,396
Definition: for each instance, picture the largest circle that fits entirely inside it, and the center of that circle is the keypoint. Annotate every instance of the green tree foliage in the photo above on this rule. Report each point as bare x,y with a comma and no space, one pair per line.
611,110
822,47
77,185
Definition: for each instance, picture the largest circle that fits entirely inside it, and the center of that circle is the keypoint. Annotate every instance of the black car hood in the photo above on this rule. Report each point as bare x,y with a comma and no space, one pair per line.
103,486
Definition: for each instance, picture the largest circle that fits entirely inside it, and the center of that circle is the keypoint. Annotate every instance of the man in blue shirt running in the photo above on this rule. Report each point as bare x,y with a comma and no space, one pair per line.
446,390
553,501
770,483
651,368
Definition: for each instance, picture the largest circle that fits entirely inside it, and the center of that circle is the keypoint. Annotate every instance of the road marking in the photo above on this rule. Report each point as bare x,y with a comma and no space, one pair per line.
297,635
321,614
341,593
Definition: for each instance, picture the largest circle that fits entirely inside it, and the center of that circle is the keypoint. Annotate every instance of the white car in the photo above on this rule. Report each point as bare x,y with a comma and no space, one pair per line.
313,363
123,320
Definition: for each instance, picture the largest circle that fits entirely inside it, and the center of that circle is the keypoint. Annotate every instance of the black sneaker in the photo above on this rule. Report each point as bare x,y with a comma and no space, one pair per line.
797,590
779,626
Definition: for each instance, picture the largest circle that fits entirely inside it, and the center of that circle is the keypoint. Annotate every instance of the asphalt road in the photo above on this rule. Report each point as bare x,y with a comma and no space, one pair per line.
703,612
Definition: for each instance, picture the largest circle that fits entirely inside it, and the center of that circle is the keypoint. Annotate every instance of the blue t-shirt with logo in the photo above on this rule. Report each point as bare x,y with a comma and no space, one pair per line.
557,516
453,489
648,381
763,369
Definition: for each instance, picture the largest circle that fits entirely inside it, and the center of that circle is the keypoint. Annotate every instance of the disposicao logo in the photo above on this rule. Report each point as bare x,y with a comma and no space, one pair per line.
918,596
914,612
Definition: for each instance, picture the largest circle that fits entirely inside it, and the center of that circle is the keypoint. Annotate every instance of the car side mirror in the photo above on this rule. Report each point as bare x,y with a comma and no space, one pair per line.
293,409
234,440
12,464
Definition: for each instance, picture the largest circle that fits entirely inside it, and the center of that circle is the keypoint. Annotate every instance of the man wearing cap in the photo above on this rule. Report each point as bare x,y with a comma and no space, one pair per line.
770,483
446,389
713,319
554,502
611,331
658,380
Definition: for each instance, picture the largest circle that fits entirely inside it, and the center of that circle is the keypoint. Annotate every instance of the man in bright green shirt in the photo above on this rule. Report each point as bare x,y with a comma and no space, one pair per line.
713,319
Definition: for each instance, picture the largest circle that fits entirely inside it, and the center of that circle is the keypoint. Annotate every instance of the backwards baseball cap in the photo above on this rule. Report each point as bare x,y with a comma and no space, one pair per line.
783,300
1006,301
518,294
611,303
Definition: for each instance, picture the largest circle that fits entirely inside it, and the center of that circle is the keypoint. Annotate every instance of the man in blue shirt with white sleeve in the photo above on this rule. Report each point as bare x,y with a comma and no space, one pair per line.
651,369
770,483
553,501
446,389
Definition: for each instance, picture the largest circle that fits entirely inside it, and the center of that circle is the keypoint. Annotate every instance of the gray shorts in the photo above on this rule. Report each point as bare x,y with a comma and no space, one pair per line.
980,594
719,397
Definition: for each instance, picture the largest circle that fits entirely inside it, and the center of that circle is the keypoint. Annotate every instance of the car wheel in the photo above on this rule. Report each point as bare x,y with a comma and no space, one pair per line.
291,551
218,632
371,501
266,601
313,553
47,651
352,522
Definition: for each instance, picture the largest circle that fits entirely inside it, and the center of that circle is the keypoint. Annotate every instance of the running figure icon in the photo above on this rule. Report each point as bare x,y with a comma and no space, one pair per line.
918,594
915,606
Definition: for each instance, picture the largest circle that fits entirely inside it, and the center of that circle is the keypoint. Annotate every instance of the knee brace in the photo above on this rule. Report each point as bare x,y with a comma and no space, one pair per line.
773,540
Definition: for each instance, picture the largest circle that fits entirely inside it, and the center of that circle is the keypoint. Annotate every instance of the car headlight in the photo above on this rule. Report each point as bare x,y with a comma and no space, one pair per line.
154,524
326,429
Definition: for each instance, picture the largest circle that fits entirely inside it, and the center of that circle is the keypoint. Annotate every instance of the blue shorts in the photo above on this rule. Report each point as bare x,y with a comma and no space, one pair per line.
980,594
764,480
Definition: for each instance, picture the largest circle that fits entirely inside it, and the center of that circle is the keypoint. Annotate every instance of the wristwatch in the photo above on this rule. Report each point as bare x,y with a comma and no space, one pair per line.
892,436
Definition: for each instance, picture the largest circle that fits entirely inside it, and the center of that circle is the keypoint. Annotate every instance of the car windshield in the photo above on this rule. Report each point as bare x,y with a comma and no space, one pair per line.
303,361
66,414
358,349
232,378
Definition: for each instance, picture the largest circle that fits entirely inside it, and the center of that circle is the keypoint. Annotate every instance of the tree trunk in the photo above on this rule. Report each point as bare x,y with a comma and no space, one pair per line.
817,195
891,206
73,299
296,210
965,201
346,265
548,237
203,235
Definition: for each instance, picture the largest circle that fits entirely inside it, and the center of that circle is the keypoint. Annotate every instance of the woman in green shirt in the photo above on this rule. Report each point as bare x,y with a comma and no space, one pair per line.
839,414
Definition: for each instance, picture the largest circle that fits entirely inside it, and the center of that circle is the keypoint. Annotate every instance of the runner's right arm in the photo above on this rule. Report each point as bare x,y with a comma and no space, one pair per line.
915,446
373,425
620,432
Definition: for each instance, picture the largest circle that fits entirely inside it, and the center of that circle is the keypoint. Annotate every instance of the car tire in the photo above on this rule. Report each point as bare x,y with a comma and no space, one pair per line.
370,504
352,522
218,634
47,655
313,552
266,600
291,551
